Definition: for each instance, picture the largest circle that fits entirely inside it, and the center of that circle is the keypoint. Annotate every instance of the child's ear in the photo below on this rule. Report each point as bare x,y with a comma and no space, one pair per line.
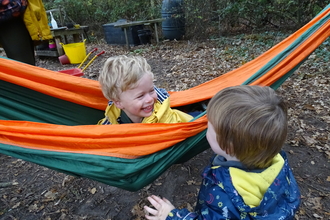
118,104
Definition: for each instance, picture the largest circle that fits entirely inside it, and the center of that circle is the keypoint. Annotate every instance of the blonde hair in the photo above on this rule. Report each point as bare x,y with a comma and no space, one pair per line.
250,123
121,73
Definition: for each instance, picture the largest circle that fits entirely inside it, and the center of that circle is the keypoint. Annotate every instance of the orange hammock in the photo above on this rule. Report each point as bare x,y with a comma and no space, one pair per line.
72,145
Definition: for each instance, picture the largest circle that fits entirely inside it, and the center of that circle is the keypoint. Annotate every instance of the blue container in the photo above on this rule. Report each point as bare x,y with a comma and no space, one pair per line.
116,35
174,25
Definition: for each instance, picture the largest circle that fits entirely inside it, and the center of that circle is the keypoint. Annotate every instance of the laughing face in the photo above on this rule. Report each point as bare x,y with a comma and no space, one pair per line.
138,102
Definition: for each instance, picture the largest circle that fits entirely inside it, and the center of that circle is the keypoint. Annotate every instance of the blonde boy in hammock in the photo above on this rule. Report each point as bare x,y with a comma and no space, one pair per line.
127,82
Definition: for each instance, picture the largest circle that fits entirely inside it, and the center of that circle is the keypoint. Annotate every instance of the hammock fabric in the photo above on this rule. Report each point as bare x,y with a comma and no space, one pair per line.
49,118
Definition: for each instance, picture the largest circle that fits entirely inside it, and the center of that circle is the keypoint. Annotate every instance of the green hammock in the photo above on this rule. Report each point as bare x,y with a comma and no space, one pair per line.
48,118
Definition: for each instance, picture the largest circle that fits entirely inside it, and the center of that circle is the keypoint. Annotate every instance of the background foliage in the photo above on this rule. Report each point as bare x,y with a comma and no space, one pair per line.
204,19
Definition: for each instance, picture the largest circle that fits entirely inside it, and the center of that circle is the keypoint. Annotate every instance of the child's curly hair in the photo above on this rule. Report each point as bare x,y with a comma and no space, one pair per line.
121,73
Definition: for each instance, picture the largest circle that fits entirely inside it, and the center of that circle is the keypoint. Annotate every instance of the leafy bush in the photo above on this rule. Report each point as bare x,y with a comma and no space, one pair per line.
204,19
216,17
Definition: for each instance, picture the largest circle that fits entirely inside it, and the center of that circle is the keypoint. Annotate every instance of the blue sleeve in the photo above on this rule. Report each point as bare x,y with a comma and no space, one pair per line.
162,94
207,213
213,203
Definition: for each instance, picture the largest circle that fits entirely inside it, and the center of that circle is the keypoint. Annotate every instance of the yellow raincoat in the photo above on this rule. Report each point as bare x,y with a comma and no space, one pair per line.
36,21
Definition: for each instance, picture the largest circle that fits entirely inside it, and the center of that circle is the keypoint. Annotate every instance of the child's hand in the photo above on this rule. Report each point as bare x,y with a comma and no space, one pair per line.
163,207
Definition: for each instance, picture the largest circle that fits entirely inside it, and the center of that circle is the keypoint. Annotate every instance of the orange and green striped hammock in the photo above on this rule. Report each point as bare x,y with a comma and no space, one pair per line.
49,118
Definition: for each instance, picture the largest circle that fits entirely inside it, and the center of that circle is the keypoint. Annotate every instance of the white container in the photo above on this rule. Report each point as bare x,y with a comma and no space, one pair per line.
53,22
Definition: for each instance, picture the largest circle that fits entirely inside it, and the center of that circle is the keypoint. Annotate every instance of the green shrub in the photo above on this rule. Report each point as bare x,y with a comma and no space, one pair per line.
204,19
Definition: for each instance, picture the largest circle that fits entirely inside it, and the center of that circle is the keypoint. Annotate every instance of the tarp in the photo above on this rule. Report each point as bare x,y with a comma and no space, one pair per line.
48,117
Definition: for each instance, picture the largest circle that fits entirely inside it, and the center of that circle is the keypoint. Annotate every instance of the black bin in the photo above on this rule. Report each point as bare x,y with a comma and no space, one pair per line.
116,35
173,26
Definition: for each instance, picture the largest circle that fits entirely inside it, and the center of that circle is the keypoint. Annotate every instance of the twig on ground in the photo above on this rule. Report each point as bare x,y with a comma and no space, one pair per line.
3,185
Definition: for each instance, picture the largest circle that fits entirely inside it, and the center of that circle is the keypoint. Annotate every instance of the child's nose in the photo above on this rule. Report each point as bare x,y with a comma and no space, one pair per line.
149,98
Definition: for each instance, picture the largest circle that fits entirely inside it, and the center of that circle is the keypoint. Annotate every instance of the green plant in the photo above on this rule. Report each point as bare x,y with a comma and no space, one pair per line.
203,19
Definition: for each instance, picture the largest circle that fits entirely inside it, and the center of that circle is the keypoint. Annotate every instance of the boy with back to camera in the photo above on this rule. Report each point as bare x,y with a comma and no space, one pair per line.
127,81
249,176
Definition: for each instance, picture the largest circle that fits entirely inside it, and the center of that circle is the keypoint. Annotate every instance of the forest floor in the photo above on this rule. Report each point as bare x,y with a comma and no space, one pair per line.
29,191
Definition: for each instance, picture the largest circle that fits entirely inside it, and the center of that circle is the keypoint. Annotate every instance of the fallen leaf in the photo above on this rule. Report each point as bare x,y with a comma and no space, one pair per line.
309,140
314,203
309,107
50,195
93,191
138,211
191,182
16,205
317,216
326,119
189,207
33,208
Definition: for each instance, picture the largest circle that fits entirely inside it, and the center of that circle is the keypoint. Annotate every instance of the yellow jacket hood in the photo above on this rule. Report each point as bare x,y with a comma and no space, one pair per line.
252,186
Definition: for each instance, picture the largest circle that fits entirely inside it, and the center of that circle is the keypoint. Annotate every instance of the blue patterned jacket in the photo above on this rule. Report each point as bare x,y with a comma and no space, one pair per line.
230,192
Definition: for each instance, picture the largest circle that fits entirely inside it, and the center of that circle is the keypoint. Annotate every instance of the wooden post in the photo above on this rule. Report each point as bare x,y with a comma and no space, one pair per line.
127,43
59,47
156,32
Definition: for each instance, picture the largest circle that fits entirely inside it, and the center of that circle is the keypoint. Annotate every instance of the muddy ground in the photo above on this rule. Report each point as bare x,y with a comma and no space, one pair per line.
29,191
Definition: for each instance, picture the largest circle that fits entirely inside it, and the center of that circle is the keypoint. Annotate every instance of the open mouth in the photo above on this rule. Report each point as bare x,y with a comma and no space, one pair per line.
148,109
